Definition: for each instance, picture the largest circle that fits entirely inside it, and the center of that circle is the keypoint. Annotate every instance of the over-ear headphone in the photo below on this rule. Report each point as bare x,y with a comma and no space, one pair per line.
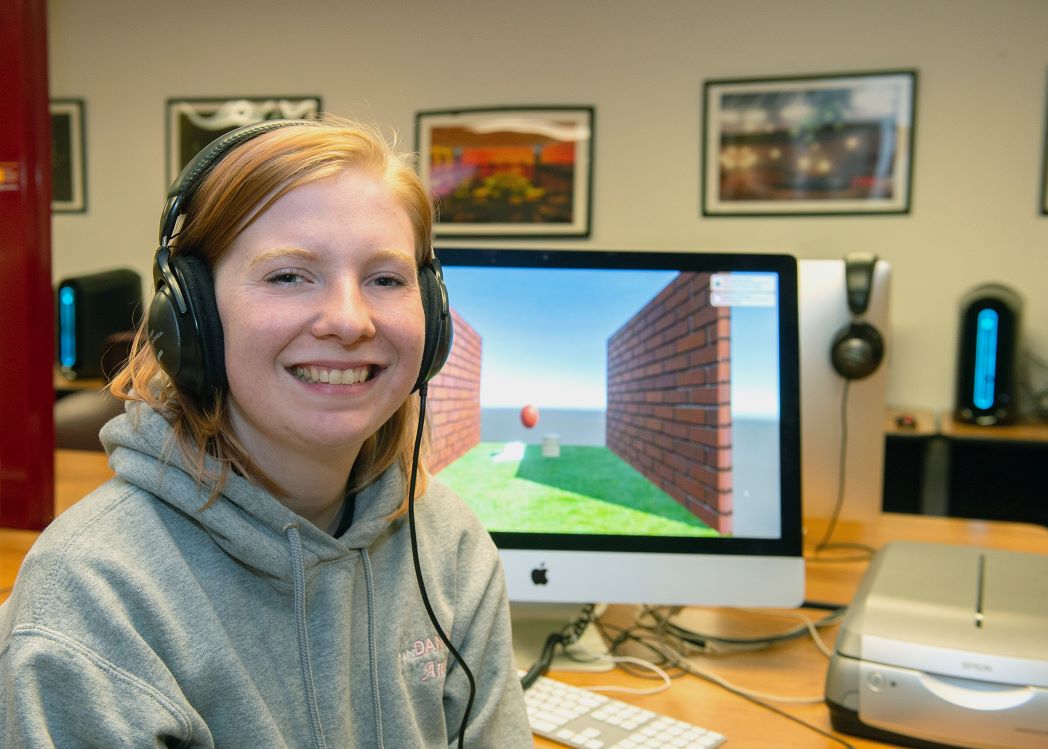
184,327
857,348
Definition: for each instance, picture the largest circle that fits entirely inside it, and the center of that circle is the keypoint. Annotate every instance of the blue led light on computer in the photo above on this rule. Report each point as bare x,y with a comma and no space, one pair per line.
67,326
985,358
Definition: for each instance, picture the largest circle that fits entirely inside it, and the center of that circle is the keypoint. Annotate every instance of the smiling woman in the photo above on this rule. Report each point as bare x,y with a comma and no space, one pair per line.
263,470
345,297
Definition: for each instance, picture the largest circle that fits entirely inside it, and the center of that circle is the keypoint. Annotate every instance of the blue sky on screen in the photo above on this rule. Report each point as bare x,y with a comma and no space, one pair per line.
754,365
545,330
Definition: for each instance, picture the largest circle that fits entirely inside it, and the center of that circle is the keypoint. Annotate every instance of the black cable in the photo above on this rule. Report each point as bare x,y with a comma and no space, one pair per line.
779,711
707,641
822,605
842,461
542,664
567,636
842,466
418,567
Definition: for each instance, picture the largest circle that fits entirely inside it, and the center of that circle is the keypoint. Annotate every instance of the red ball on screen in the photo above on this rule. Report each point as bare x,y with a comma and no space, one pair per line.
529,416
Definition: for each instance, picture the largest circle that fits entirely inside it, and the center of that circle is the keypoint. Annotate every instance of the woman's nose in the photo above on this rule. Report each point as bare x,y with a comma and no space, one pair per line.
344,313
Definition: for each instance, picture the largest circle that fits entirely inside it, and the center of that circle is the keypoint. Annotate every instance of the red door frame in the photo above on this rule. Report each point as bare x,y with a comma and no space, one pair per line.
26,296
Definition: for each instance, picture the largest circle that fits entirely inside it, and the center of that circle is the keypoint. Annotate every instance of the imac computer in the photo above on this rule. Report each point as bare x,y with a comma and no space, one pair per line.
626,424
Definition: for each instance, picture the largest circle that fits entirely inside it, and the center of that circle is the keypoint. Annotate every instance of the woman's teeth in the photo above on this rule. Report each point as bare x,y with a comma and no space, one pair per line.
314,375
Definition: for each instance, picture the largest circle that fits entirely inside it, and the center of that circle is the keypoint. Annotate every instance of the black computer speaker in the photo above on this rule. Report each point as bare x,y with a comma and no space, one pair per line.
90,309
988,355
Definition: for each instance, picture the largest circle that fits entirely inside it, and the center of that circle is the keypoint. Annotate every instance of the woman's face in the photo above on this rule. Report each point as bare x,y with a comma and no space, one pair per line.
322,318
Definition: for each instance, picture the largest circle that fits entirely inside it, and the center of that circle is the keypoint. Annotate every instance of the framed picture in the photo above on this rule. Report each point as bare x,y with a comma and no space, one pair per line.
810,145
508,172
1044,170
68,160
193,123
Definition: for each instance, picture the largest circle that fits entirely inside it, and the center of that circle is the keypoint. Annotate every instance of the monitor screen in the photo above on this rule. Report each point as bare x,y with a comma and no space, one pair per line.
626,424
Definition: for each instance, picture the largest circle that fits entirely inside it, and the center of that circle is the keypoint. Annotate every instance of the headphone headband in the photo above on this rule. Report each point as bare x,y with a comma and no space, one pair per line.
193,173
858,279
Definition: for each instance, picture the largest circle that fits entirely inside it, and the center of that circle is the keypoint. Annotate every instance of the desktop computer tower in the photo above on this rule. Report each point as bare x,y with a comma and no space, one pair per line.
844,346
987,355
89,310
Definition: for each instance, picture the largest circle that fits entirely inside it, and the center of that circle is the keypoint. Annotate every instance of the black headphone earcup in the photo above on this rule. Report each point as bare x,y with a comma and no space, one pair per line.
439,334
189,346
856,351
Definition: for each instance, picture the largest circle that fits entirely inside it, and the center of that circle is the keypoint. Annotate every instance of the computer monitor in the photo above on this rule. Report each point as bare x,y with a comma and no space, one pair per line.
626,424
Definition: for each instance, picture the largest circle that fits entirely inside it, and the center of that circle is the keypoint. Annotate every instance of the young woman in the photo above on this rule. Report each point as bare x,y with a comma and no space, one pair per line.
247,580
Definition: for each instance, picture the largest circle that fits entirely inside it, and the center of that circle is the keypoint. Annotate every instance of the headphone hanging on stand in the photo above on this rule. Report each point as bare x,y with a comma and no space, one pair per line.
858,348
184,327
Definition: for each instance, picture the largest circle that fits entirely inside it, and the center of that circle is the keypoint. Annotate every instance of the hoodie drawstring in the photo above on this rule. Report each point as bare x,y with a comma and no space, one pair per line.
298,574
372,649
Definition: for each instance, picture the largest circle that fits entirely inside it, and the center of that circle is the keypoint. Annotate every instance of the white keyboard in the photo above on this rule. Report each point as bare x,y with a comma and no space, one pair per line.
580,718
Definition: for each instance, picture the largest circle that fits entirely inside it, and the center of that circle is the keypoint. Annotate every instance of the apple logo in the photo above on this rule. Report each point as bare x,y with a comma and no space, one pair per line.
538,575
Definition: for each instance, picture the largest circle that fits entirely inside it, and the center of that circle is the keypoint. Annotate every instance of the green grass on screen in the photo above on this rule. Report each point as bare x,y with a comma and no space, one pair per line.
585,490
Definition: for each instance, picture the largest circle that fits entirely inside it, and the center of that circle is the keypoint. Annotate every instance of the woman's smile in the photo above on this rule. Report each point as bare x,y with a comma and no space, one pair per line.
332,376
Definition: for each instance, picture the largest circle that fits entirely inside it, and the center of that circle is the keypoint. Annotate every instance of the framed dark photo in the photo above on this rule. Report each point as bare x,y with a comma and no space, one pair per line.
1044,169
195,122
68,160
809,145
510,171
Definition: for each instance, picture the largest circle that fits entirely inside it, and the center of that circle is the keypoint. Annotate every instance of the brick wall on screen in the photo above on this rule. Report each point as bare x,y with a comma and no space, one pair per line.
454,399
668,397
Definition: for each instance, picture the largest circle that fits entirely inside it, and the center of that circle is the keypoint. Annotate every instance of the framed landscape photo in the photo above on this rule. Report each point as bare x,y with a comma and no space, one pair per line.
195,122
508,172
1044,170
68,161
809,145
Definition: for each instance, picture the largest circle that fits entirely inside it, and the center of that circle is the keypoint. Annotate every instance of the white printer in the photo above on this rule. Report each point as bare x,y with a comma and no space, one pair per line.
945,646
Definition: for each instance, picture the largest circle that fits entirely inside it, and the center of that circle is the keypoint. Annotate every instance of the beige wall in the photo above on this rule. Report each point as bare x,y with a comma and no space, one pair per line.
979,139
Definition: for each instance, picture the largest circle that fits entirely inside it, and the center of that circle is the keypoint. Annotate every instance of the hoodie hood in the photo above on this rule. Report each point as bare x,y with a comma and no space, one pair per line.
246,521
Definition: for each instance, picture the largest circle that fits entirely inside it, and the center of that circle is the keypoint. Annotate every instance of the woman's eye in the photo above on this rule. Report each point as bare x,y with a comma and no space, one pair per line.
284,278
390,281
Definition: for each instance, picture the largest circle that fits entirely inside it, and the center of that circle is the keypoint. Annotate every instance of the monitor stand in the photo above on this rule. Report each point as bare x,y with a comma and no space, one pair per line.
534,622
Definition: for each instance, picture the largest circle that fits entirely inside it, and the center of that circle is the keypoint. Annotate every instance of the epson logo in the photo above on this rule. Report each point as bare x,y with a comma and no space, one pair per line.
984,668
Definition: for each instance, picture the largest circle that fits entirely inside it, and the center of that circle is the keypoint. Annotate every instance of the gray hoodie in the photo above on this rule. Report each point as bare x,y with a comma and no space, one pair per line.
140,620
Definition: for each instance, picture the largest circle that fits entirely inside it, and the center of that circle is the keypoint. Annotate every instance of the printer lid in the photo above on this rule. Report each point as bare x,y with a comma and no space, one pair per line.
964,611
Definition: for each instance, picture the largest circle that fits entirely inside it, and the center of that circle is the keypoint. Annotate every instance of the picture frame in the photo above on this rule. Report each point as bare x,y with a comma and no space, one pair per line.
68,156
1044,166
813,145
509,171
192,123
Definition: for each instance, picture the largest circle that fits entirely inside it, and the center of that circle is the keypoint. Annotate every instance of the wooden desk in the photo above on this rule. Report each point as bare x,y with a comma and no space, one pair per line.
63,384
796,668
1022,431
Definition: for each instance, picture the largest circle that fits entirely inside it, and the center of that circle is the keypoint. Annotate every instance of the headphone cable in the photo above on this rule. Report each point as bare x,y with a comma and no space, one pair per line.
418,566
842,463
